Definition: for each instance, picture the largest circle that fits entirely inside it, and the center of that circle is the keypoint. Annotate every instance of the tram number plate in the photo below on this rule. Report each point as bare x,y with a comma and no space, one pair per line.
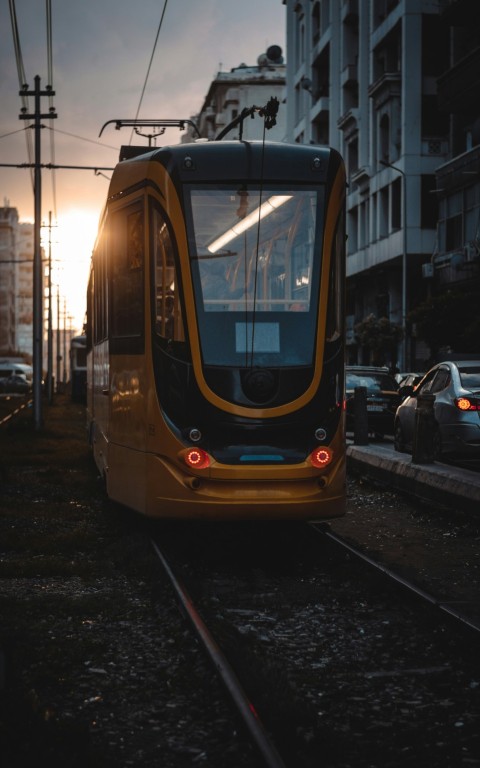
374,407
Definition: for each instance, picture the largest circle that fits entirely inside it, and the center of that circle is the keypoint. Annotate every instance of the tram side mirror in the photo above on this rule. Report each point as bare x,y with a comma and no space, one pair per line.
407,391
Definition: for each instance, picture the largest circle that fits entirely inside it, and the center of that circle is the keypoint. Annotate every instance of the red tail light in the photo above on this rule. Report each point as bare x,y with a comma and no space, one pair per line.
196,458
321,457
467,403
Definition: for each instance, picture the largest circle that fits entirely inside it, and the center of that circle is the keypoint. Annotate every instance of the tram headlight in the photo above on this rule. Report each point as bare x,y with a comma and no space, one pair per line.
321,457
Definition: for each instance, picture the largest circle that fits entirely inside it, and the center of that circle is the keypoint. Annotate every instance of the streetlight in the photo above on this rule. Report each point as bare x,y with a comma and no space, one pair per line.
403,345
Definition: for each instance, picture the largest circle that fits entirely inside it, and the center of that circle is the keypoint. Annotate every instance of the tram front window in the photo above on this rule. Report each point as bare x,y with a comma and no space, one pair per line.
254,259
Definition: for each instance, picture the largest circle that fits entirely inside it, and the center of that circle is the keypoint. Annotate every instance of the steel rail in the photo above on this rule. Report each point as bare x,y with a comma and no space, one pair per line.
228,676
15,412
323,529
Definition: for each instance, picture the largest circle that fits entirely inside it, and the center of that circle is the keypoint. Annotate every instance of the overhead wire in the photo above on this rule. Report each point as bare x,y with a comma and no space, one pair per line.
149,66
22,80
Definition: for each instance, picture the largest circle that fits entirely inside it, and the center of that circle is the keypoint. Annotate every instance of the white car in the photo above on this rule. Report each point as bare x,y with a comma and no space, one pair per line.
456,387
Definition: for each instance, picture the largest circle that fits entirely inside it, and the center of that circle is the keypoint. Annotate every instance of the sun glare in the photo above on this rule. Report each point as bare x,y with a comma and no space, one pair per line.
73,241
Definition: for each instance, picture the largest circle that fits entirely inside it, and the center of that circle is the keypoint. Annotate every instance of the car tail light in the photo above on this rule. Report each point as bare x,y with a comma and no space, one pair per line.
467,403
321,457
196,458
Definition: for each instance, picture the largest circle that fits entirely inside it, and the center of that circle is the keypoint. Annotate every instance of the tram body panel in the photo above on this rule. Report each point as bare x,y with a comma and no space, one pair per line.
151,386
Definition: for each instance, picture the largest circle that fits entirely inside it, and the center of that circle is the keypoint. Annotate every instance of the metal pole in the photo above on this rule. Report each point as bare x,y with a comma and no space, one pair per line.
403,344
59,356
37,249
64,343
50,329
37,273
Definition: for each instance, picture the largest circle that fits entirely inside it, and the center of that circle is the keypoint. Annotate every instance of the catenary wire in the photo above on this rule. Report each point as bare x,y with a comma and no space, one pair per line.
22,80
149,66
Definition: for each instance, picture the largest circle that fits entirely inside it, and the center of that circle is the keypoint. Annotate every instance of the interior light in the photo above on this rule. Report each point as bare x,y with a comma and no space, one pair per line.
253,218
321,457
196,458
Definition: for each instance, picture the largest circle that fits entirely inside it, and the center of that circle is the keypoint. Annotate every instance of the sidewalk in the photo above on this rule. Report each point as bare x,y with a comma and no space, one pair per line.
449,486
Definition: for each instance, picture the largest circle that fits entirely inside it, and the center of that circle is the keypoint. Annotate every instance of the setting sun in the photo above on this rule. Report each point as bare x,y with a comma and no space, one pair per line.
73,243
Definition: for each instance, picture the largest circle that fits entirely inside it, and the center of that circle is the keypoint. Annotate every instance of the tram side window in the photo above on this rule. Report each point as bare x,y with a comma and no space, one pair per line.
168,322
99,287
127,279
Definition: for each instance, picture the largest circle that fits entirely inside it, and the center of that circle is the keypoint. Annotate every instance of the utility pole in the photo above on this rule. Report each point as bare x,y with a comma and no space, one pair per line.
404,348
50,318
37,116
59,355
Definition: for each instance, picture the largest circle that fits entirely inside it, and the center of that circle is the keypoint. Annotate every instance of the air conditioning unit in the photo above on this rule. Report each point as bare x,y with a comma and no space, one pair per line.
470,252
427,270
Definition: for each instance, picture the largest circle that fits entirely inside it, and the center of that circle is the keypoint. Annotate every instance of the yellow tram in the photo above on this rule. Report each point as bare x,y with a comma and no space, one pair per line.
215,332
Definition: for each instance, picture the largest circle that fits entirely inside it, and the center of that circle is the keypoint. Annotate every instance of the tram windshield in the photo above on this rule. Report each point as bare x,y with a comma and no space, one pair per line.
254,259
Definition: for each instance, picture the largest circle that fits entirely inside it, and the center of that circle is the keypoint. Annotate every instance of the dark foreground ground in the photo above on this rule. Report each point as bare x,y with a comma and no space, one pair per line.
92,656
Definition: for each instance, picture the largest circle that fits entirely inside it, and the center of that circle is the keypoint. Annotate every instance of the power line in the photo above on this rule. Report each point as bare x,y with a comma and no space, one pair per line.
21,77
82,138
4,136
150,65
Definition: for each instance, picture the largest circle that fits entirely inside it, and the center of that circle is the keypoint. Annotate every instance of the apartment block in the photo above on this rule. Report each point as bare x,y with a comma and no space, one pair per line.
374,79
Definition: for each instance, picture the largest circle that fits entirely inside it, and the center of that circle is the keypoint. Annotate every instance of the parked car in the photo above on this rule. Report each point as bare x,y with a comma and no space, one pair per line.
456,387
382,397
14,384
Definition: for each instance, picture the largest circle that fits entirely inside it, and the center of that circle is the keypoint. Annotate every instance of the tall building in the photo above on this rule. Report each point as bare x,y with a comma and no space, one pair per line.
455,263
8,260
365,77
241,88
24,291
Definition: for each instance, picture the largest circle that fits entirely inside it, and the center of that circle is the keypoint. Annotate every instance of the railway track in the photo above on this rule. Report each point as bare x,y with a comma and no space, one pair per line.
334,657
9,409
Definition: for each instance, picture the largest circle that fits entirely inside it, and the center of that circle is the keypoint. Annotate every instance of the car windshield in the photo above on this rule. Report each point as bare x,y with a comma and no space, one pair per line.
374,382
470,377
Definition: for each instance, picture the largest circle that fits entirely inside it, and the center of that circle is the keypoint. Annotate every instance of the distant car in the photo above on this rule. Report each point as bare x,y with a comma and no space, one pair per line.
406,377
15,384
382,397
456,386
410,380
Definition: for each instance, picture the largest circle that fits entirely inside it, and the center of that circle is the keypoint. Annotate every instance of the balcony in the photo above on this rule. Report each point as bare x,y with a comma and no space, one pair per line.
462,171
387,87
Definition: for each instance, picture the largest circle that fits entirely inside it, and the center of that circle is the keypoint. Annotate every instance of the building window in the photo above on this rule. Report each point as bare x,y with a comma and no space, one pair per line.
453,233
316,23
321,74
127,246
352,156
352,231
383,213
434,123
429,204
397,204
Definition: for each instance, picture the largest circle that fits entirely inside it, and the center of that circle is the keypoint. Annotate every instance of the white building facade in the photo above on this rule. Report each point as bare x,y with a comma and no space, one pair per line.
361,76
9,249
243,87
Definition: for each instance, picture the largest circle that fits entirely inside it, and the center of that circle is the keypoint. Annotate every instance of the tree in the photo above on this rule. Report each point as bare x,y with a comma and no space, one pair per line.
380,336
449,319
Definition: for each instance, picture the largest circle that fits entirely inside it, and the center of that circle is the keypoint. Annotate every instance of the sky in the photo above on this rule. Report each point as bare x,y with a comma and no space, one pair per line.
101,51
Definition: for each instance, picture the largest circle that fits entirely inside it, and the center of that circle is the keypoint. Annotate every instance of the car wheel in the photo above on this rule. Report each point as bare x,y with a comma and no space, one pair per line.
398,439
